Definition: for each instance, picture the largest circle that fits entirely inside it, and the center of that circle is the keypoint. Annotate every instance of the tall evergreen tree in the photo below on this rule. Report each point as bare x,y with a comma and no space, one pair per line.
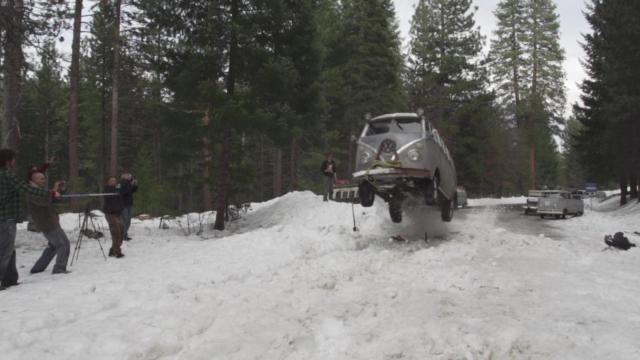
446,79
444,56
527,69
508,57
369,69
608,143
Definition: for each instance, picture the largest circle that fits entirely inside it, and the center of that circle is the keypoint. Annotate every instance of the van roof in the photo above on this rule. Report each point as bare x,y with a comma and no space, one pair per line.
395,116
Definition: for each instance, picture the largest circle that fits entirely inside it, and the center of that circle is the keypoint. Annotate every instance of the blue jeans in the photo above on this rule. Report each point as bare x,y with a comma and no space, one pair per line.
8,270
58,246
126,220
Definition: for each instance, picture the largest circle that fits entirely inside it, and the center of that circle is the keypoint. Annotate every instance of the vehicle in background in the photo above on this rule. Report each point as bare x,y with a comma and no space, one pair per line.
560,205
583,194
461,197
531,207
401,156
600,195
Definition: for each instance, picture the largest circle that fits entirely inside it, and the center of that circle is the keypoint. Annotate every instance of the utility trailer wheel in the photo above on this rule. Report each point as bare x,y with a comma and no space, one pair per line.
395,211
366,193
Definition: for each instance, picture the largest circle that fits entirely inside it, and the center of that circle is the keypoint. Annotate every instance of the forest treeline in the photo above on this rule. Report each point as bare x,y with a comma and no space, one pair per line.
221,102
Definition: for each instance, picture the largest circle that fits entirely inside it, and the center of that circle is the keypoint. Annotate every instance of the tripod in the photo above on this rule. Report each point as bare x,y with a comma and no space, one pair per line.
85,231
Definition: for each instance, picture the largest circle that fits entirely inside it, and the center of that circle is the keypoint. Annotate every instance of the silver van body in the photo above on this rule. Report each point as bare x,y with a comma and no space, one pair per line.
401,155
561,204
531,207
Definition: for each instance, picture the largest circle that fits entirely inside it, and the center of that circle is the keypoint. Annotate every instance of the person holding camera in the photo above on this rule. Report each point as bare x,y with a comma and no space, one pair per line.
128,185
44,216
113,206
11,213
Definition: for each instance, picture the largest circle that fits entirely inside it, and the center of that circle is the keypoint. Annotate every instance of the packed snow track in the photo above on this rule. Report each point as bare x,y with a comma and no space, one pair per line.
292,280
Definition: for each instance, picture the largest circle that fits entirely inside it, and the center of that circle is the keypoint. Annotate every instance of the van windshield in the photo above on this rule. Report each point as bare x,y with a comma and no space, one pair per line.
395,126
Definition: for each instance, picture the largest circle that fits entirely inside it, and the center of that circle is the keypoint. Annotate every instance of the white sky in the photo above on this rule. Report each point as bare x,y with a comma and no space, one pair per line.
572,26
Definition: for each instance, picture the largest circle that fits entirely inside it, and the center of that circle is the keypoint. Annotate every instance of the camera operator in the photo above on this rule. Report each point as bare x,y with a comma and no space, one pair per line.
113,206
11,214
128,185
38,169
46,219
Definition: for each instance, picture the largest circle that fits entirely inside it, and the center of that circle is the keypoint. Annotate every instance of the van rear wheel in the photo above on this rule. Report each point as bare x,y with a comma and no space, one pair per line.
395,211
446,207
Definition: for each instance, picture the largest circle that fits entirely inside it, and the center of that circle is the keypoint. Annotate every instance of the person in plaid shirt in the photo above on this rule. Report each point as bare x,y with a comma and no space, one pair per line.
11,213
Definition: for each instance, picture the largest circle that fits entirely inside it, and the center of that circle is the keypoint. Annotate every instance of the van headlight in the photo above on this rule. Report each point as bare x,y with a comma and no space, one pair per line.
365,157
414,155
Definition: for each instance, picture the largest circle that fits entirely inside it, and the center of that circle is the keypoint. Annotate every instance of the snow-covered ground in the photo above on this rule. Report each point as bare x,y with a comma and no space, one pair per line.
292,280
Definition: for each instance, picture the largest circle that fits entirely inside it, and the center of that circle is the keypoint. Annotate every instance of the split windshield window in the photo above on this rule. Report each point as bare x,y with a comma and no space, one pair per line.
395,126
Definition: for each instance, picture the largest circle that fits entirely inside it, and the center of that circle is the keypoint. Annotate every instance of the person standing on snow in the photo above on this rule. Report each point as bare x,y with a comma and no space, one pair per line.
11,213
128,185
113,206
46,219
328,169
32,170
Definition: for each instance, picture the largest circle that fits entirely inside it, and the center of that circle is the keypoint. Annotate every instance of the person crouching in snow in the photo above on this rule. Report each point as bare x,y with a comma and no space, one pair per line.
113,206
45,217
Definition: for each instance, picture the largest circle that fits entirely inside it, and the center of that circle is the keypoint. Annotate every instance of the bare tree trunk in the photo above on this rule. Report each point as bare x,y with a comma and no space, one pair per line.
113,167
532,164
74,96
293,166
277,172
633,184
623,190
261,172
207,202
13,59
225,153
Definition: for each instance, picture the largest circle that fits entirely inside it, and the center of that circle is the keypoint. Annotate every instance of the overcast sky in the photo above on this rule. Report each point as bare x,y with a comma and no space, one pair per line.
572,25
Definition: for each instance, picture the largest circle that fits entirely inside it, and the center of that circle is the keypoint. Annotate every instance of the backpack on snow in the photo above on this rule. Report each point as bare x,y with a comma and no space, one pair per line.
618,241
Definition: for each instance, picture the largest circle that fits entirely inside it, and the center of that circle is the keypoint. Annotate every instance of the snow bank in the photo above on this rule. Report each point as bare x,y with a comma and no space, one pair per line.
498,201
292,280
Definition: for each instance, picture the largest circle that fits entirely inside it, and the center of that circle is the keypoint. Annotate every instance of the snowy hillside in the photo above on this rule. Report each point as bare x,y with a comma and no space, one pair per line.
292,280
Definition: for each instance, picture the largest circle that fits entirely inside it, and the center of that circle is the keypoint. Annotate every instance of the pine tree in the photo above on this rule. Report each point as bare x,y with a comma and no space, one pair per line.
545,58
508,57
366,70
527,68
445,47
608,143
446,77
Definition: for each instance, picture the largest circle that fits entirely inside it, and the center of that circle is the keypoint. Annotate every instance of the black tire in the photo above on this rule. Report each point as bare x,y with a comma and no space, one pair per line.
541,216
395,211
432,194
564,214
366,193
446,208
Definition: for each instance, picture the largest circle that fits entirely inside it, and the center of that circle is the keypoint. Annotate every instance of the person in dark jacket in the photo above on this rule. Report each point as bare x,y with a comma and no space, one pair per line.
44,216
328,169
128,186
11,213
42,169
113,206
